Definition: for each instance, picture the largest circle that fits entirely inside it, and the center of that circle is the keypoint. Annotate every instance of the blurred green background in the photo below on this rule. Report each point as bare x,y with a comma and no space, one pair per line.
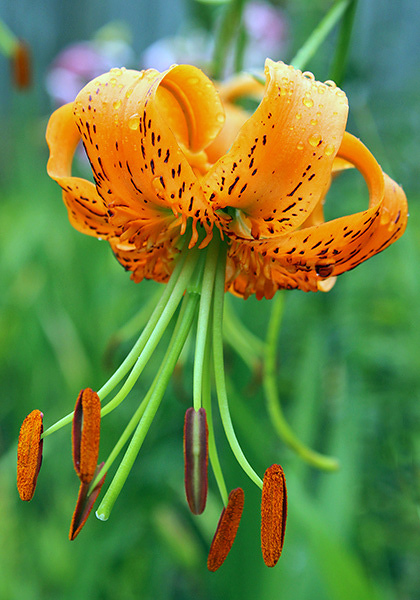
349,360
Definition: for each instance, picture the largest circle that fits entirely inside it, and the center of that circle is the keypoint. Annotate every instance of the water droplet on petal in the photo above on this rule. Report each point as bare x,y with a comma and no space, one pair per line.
134,122
220,118
298,115
314,139
308,102
314,121
117,104
300,146
329,149
193,80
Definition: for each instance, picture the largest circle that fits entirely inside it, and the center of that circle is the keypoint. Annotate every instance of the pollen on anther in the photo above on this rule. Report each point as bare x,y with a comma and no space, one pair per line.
273,514
226,530
29,454
86,434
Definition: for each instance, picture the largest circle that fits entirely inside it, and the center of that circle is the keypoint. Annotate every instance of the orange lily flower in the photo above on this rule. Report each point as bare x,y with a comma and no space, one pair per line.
161,158
176,160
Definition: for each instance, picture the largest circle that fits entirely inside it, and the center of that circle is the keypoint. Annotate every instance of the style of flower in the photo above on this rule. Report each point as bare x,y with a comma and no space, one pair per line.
192,191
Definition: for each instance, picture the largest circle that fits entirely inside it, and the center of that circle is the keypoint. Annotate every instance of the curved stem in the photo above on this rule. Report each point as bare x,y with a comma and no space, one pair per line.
321,461
213,456
341,53
227,31
178,279
203,318
319,34
219,372
159,386
147,342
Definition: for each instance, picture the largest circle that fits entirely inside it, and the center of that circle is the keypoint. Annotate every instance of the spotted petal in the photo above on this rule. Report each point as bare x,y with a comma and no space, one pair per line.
281,161
144,133
87,210
308,257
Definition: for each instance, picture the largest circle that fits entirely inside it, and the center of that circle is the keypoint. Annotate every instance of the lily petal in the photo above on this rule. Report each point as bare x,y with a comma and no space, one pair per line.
280,163
144,133
311,255
87,210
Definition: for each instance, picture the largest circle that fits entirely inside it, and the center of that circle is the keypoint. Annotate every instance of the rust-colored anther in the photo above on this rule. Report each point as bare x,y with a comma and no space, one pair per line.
273,514
226,530
21,66
86,434
196,459
84,504
29,454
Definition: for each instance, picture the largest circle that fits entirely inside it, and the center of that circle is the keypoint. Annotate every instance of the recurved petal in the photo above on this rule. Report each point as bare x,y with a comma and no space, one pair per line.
147,261
280,163
87,210
144,133
307,258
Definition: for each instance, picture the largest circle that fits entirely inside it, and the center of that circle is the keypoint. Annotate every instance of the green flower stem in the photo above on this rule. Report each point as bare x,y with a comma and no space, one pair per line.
214,458
249,347
152,342
338,67
178,280
185,319
275,411
203,318
143,348
219,372
228,29
8,40
135,324
132,424
319,34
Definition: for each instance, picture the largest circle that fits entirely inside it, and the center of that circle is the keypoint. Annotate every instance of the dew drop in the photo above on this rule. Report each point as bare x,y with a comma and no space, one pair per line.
117,104
134,122
158,187
308,75
300,146
220,118
329,149
385,216
128,93
314,121
116,71
324,270
283,91
298,116
308,102
314,139
193,80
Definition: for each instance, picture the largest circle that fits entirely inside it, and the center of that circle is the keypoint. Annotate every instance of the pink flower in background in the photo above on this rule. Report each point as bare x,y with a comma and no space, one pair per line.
267,34
267,30
80,62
